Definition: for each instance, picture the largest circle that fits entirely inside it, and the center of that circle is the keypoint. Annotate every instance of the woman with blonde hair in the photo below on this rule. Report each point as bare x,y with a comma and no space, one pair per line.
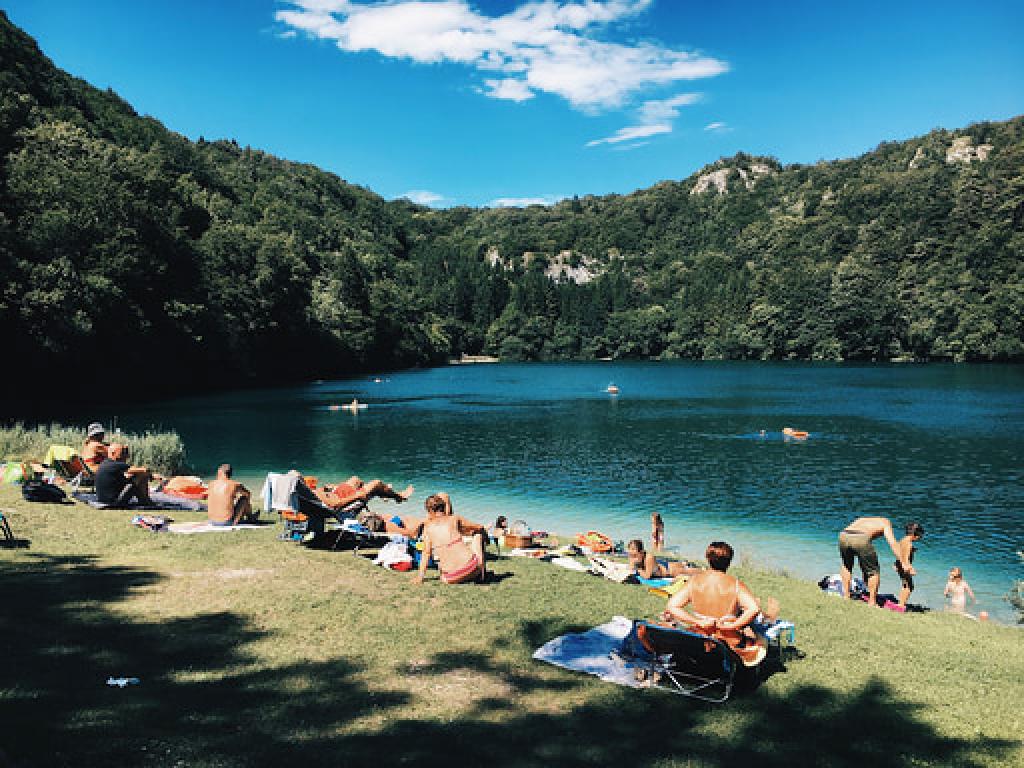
957,590
442,538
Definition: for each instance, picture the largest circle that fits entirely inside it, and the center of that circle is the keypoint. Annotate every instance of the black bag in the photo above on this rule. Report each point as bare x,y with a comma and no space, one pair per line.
36,490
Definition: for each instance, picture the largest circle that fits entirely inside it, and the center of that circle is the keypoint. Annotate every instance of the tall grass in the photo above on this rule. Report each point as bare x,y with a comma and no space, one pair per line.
162,452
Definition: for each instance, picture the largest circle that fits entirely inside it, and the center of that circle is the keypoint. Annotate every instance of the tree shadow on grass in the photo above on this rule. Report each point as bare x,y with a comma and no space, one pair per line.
202,698
206,698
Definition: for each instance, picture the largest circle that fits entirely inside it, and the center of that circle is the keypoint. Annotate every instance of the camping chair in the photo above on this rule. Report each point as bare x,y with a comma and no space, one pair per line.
682,662
5,529
68,465
779,635
305,513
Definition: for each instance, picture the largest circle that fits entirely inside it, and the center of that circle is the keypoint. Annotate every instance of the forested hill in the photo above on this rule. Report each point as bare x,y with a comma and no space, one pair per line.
132,258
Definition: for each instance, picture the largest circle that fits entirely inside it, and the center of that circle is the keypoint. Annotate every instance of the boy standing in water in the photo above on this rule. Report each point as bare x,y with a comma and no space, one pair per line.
906,555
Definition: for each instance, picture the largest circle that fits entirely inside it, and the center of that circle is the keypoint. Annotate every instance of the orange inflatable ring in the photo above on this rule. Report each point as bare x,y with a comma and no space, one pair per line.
595,541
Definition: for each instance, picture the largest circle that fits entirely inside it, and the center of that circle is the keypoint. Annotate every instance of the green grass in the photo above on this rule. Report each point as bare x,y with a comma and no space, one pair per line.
257,652
162,452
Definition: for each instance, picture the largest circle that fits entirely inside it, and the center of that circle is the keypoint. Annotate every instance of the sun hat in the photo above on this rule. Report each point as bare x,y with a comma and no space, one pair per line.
95,429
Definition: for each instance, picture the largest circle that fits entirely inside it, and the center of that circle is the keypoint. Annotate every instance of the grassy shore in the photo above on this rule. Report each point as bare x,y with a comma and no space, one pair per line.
257,652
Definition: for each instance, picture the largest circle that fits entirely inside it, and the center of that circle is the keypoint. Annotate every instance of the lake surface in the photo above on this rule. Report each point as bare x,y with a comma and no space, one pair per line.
940,444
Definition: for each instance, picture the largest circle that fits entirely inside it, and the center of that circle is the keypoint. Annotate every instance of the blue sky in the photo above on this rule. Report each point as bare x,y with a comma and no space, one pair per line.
502,101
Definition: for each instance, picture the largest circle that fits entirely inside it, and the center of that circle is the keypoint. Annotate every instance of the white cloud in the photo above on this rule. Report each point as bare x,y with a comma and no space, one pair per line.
423,196
520,202
632,132
655,117
512,90
717,127
543,46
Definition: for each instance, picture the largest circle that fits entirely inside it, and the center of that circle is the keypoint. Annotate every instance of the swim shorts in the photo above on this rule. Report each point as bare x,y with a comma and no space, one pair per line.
905,578
855,545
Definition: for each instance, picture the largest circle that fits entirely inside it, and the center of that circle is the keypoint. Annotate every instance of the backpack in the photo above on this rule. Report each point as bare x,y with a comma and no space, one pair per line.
36,490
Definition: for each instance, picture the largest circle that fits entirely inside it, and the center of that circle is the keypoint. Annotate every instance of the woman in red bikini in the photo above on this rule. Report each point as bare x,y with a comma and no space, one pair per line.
443,539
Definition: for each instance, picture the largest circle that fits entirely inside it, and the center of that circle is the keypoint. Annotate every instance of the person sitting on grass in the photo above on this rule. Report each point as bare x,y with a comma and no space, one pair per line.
442,538
94,449
354,489
228,501
721,605
647,566
856,542
118,483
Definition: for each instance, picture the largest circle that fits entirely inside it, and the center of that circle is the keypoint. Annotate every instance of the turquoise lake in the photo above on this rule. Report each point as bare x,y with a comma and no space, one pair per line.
545,443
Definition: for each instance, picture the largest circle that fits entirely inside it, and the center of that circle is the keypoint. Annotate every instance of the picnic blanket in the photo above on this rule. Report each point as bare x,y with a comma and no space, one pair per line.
160,501
593,652
203,526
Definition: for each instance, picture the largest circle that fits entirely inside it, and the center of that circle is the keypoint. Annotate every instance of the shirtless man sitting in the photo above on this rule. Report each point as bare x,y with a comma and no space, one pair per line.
856,541
228,501
354,489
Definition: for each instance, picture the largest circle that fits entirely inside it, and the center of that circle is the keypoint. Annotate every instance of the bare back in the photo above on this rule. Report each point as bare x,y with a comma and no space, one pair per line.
714,594
446,543
871,526
220,499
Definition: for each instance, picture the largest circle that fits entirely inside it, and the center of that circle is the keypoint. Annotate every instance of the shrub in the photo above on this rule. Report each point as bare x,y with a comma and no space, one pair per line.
162,452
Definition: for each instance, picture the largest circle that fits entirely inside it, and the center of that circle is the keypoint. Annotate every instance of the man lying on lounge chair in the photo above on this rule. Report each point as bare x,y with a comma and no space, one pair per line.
354,489
118,483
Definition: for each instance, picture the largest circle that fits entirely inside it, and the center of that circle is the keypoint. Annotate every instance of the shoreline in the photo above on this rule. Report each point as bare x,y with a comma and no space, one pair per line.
797,556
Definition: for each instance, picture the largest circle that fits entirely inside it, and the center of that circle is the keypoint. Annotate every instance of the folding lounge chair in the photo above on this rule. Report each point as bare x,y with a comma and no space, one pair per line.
685,662
305,513
779,635
69,466
5,529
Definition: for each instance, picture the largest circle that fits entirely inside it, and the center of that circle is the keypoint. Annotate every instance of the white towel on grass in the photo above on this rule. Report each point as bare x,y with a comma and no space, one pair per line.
591,652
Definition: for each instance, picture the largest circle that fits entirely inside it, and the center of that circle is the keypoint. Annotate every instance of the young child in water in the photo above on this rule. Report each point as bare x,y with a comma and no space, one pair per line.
657,532
957,590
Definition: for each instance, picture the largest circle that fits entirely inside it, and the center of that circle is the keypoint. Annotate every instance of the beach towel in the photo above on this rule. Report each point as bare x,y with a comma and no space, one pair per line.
204,526
160,501
569,563
593,652
279,491
618,572
528,552
833,585
154,523
395,555
59,453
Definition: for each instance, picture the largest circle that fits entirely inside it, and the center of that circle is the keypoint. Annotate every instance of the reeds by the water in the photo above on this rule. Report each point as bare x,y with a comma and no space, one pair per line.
162,452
